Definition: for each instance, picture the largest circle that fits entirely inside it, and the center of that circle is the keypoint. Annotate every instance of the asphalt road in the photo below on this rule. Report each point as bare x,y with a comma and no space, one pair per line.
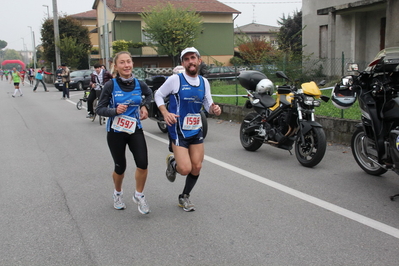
253,208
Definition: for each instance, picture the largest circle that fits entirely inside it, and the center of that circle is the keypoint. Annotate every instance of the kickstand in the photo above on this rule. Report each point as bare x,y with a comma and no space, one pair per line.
394,196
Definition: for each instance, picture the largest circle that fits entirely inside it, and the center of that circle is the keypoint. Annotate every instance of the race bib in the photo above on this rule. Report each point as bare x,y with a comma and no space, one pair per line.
192,122
124,123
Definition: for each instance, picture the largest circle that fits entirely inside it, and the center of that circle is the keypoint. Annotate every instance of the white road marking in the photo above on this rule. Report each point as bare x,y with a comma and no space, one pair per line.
300,195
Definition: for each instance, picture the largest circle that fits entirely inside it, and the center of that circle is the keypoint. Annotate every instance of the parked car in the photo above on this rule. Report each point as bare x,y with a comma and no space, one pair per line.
221,72
80,79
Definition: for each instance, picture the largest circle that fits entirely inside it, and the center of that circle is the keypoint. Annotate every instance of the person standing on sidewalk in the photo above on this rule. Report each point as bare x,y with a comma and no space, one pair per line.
187,93
65,74
125,100
16,78
39,78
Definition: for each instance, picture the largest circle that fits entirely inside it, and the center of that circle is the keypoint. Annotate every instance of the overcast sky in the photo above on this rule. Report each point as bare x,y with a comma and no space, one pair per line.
17,15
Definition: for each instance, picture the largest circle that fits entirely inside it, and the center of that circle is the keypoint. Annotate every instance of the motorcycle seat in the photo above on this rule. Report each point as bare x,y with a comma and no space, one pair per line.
266,100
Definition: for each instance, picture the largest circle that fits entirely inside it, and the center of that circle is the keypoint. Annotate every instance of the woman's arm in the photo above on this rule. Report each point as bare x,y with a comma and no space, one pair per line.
103,108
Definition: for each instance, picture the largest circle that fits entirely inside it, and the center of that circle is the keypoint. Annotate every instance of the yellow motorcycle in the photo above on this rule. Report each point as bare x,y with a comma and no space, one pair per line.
284,121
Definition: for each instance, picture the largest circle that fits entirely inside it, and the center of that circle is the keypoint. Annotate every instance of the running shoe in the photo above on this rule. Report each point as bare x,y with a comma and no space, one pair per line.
170,171
185,203
142,204
118,202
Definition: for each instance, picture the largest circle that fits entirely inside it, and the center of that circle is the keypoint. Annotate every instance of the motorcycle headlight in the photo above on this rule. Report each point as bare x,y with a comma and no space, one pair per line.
308,100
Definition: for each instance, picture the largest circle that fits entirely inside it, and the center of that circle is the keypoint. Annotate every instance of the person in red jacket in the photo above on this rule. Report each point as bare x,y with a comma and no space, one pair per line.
39,78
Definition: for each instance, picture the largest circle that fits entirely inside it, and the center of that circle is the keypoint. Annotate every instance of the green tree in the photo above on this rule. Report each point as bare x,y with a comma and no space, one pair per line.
3,44
11,54
72,50
289,36
73,30
171,29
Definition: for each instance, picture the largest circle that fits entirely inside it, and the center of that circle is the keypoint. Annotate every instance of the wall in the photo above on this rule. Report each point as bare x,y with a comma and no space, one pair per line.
337,130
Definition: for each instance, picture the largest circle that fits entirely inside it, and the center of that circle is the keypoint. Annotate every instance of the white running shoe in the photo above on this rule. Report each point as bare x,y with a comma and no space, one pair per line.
118,202
142,204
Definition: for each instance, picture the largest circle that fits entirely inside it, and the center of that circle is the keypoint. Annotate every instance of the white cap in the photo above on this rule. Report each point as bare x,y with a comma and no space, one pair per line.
189,50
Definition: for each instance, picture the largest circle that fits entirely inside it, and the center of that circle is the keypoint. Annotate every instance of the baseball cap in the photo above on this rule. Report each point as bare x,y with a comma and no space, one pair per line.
189,50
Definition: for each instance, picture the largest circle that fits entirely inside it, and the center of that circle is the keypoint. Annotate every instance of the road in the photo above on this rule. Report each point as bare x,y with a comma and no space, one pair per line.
253,208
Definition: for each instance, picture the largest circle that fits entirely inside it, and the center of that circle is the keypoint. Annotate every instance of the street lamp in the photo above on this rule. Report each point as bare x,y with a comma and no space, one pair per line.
48,13
34,47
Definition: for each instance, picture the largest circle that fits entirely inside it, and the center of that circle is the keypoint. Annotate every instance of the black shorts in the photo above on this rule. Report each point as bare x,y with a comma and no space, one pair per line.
186,142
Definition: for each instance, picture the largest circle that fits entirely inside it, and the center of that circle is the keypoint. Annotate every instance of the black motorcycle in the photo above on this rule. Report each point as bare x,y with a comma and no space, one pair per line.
283,121
154,114
375,143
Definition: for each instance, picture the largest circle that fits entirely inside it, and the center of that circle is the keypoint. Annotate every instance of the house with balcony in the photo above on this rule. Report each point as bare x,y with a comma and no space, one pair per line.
216,43
258,32
89,20
343,31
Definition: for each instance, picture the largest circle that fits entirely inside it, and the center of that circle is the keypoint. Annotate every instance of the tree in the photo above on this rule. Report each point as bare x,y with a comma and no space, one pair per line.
11,54
72,50
255,52
3,44
71,31
171,29
290,35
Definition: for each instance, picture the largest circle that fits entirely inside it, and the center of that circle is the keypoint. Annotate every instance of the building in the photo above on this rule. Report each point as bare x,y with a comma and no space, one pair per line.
216,43
348,30
258,32
89,20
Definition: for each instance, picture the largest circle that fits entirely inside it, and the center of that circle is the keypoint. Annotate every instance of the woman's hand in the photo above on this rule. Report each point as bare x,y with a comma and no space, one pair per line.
143,113
121,108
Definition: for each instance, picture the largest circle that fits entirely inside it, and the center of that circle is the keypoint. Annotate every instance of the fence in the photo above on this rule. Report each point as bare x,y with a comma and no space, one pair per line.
330,70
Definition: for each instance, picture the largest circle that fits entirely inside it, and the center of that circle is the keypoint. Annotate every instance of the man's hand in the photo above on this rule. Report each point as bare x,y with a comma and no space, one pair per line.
215,109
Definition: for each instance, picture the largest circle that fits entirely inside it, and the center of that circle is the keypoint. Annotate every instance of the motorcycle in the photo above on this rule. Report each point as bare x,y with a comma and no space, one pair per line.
154,114
375,142
285,121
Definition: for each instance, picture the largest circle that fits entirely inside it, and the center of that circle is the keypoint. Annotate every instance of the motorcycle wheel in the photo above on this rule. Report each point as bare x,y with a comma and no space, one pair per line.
360,155
204,124
248,142
163,127
312,151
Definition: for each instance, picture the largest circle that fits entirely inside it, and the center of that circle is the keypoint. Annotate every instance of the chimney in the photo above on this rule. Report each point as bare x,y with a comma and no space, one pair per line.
118,3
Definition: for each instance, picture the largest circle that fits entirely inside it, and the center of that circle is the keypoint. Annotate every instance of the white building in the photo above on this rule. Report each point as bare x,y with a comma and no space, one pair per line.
354,30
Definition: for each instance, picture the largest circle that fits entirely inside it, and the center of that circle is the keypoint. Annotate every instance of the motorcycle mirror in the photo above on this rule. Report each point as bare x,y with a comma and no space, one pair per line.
322,83
281,74
352,67
324,98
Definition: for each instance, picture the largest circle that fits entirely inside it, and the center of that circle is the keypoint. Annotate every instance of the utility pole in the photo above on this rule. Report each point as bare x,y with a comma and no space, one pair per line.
56,35
106,44
34,47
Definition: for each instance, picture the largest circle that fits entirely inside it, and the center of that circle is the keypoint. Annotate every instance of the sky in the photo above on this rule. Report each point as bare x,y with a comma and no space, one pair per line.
18,16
